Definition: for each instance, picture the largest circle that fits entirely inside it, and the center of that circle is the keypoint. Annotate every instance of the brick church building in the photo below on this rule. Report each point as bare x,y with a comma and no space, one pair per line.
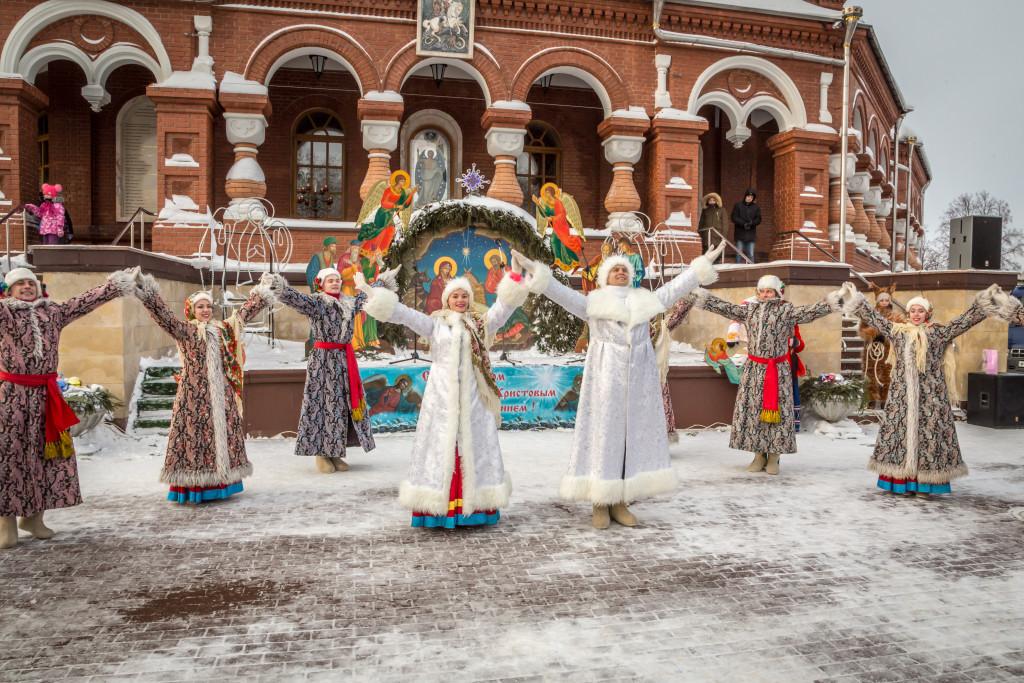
637,109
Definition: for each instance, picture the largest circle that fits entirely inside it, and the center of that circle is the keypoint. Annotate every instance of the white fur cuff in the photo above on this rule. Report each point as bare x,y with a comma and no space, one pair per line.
147,286
512,293
834,299
266,293
540,279
704,269
380,303
123,280
852,304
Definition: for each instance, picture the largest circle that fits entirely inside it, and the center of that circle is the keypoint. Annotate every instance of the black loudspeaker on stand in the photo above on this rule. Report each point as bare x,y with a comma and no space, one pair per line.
995,400
975,242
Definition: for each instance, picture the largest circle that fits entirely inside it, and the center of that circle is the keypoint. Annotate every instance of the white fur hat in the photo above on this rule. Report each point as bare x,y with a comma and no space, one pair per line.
453,284
611,262
771,282
326,272
19,274
920,301
198,296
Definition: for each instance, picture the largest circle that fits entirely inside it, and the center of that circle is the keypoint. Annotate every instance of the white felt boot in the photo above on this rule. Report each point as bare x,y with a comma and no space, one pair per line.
34,525
622,515
601,519
8,533
325,465
339,464
758,464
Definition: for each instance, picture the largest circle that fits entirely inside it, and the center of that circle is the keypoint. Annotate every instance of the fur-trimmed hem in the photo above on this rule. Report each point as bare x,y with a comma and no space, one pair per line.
932,477
423,499
489,497
512,293
540,279
612,491
381,304
123,280
704,269
194,479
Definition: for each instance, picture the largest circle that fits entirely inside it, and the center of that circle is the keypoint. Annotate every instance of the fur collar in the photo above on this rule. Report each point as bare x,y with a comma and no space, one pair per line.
630,306
20,305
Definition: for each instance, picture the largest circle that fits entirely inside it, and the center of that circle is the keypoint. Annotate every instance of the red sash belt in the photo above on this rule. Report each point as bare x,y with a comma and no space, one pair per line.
770,393
58,414
355,384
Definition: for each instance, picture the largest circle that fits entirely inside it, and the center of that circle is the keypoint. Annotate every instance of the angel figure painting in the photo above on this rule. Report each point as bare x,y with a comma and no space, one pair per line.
387,205
559,214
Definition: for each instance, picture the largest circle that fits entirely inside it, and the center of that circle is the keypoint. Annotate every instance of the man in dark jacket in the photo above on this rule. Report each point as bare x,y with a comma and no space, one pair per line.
746,216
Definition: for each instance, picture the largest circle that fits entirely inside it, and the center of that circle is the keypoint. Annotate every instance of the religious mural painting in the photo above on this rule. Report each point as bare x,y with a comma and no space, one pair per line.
444,28
483,260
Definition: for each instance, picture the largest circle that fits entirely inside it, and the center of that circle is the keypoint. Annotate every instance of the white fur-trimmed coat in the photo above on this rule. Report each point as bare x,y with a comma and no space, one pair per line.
454,410
620,447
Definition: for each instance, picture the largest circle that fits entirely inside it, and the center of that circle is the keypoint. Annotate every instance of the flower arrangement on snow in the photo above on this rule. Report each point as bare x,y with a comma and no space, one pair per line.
832,386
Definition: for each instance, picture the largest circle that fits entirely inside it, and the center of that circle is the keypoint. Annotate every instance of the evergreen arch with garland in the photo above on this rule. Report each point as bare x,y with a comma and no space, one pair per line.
556,330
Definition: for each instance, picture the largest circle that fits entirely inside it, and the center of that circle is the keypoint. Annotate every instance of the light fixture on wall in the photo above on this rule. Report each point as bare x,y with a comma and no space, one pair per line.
545,82
319,63
437,71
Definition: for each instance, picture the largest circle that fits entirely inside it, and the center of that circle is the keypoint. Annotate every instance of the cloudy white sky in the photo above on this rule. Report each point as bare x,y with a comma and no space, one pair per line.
954,62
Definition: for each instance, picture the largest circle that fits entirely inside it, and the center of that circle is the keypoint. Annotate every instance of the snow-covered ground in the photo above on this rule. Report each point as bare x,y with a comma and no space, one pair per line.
811,575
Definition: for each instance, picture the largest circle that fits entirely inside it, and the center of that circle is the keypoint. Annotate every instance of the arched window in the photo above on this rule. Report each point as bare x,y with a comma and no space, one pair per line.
540,161
318,180
136,157
430,159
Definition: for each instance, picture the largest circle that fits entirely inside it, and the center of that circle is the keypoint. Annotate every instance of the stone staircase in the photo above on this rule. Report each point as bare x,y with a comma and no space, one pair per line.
154,398
851,360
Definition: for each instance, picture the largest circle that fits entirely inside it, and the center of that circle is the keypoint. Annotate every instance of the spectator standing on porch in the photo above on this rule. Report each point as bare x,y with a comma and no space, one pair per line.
746,216
712,217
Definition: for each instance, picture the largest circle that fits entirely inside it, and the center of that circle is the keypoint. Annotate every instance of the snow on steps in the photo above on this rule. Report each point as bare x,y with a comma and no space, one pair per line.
851,359
154,398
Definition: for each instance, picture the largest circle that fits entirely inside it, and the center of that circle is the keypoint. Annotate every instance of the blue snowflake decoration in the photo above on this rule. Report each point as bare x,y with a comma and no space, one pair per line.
472,180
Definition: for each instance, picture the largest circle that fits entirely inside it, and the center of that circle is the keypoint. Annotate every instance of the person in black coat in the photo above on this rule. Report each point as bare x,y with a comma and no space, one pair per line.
746,216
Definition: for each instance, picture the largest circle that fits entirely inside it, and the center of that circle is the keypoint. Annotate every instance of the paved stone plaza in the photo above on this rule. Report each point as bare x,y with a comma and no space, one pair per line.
811,575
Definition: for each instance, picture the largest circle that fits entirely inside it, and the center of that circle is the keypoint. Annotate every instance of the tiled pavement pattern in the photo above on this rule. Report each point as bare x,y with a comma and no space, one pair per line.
809,576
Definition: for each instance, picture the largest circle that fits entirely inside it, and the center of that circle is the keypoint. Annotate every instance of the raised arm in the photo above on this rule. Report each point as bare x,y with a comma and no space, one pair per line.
709,302
512,293
148,292
259,298
855,304
305,304
383,304
700,272
811,312
984,305
677,314
119,283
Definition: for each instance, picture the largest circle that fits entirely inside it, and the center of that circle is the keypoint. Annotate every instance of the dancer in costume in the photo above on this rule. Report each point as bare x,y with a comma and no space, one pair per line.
205,457
877,348
456,477
764,419
334,414
325,258
620,448
917,449
38,471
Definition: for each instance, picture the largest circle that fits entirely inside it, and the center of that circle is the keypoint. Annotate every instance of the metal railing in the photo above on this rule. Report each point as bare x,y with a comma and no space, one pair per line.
817,246
6,220
138,218
730,244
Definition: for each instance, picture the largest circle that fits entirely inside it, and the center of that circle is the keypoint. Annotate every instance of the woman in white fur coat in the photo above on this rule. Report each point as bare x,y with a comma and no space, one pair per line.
620,448
456,477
